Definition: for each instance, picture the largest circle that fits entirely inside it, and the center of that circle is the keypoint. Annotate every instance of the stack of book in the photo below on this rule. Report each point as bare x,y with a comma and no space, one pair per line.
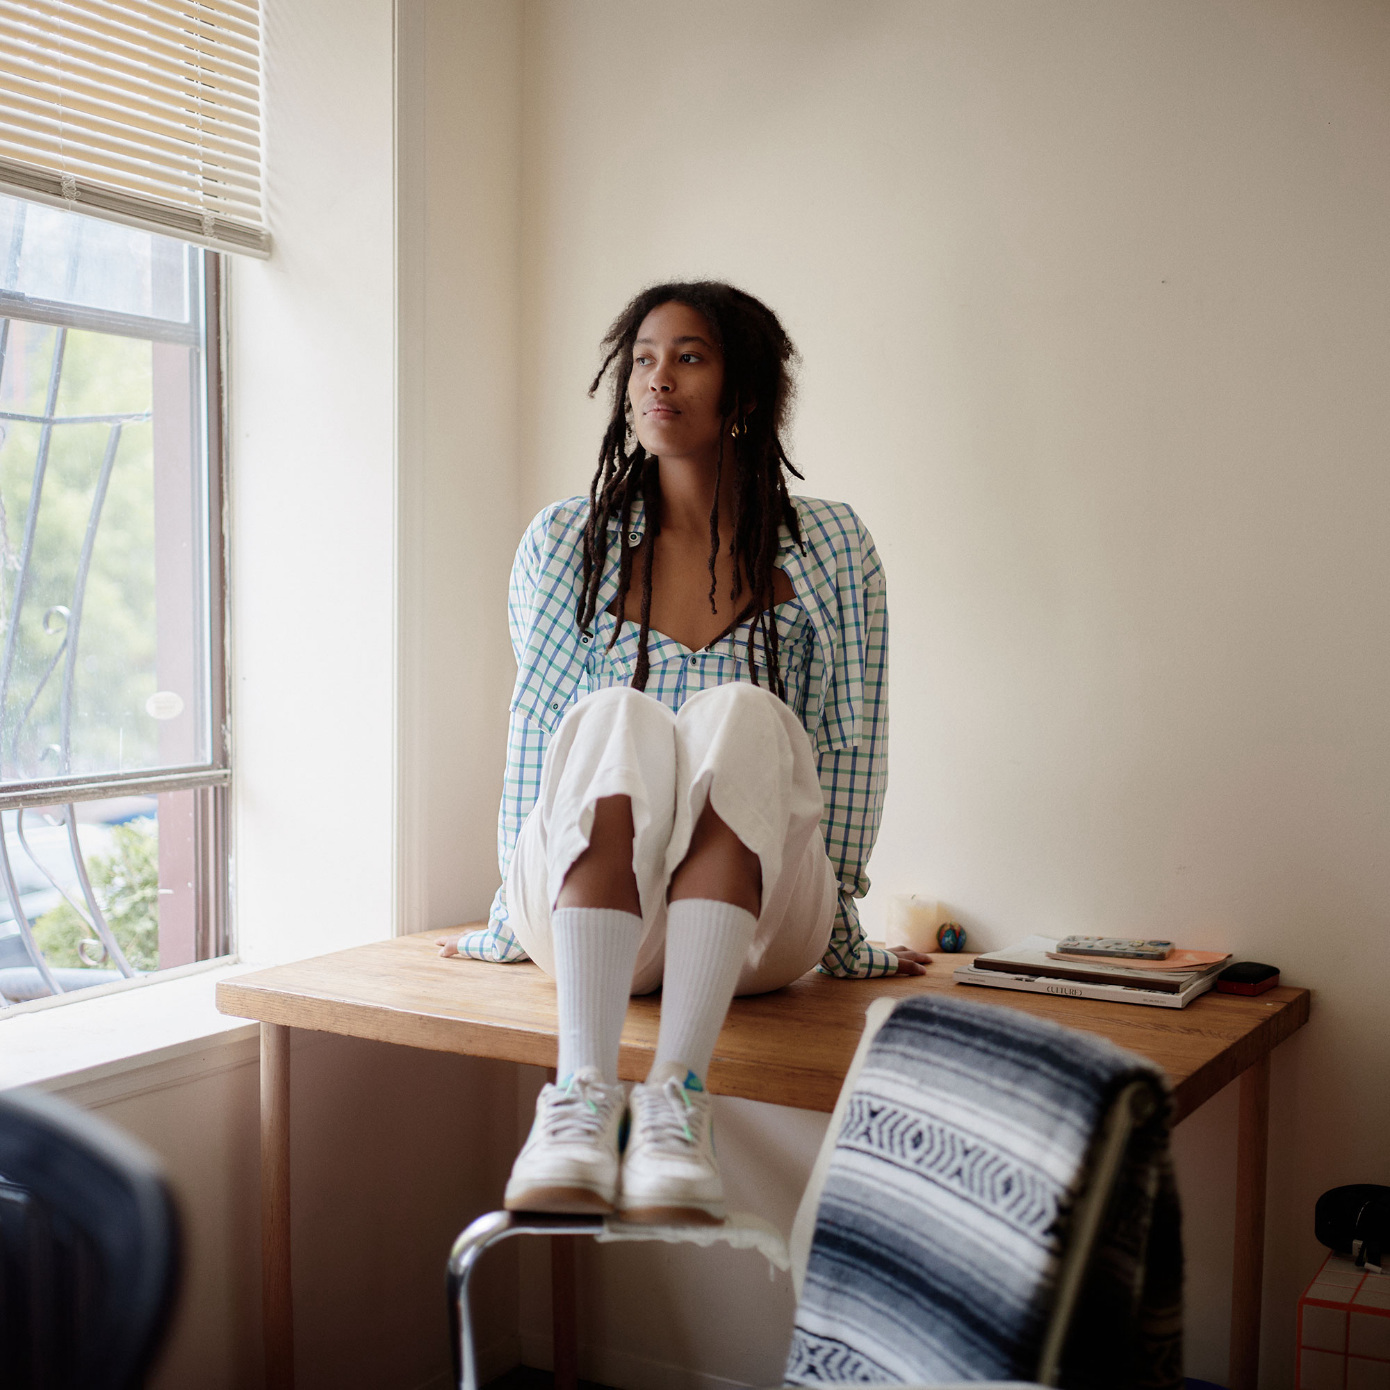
1036,965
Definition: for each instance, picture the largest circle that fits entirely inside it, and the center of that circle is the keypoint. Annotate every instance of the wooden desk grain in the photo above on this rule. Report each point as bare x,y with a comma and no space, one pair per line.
790,1047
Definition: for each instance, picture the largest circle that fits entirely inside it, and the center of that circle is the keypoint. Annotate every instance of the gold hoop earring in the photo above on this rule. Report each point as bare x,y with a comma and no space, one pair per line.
736,429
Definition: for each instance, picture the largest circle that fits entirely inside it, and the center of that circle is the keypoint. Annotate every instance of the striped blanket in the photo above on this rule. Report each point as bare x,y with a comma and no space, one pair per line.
947,1203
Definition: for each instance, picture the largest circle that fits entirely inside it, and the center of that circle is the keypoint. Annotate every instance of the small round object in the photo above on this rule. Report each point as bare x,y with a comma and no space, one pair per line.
950,936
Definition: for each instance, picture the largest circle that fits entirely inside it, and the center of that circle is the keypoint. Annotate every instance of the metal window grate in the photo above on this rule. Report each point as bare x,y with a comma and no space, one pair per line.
112,814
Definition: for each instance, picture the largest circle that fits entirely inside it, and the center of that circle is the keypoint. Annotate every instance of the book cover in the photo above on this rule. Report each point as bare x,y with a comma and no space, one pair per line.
1037,956
1082,989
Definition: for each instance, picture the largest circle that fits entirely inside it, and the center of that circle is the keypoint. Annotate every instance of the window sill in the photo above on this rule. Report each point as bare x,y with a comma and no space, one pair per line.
126,1042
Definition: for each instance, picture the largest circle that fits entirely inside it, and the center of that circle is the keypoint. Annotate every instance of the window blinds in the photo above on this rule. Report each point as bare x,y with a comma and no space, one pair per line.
142,111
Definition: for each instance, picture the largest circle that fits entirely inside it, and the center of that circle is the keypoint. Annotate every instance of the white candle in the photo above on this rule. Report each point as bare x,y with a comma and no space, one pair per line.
913,922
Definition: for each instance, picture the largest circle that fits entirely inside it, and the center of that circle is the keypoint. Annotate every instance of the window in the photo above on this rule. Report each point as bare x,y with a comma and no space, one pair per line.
113,757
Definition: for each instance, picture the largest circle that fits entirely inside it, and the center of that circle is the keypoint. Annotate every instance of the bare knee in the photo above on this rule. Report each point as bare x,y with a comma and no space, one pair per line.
602,876
719,866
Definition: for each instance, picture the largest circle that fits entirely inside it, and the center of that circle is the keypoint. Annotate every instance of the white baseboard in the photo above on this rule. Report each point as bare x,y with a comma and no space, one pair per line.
625,1371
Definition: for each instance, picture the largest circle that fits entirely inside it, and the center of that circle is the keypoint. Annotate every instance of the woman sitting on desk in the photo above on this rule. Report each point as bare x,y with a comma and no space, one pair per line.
696,762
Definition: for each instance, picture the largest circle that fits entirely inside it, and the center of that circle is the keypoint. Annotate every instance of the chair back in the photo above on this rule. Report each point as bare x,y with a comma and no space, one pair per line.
951,1216
89,1249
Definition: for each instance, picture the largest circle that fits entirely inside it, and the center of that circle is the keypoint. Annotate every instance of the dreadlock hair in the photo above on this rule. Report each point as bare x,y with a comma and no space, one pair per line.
756,400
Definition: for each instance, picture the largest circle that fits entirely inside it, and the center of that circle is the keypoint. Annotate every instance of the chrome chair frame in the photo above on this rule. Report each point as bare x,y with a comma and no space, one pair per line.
480,1236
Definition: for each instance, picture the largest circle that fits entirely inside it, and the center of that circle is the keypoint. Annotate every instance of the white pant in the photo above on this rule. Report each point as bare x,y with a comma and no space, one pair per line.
736,746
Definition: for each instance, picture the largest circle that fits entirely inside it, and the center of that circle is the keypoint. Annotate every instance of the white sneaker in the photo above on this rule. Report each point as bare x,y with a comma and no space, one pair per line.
670,1173
569,1162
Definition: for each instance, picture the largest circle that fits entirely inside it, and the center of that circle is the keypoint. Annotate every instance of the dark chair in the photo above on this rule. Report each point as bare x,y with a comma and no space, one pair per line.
89,1249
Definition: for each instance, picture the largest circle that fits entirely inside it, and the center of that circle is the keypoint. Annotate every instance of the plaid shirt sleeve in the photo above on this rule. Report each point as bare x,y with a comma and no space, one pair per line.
526,744
853,782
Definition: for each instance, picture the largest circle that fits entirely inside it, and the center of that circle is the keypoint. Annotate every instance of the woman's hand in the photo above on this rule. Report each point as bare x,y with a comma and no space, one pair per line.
448,945
911,962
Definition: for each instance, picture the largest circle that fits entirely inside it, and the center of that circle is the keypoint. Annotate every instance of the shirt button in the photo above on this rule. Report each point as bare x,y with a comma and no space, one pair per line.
555,704
634,537
583,641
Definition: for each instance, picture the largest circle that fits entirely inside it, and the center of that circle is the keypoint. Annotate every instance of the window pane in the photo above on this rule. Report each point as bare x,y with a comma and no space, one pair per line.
103,516
56,255
145,860
109,618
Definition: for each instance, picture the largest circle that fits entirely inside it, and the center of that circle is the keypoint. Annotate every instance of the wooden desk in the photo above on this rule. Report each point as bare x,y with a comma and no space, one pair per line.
791,1047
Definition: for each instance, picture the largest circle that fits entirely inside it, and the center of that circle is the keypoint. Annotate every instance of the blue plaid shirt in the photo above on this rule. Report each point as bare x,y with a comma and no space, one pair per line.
835,663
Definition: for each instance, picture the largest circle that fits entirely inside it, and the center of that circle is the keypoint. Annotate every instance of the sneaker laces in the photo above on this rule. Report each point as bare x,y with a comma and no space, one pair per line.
666,1114
576,1110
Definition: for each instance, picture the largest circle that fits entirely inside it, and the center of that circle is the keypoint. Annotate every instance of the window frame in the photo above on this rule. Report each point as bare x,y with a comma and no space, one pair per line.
210,782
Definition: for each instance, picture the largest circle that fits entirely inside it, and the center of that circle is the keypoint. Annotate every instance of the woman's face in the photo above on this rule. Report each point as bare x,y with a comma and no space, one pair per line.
677,380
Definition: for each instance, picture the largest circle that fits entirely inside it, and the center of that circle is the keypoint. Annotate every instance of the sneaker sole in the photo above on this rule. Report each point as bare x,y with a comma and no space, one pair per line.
560,1201
670,1216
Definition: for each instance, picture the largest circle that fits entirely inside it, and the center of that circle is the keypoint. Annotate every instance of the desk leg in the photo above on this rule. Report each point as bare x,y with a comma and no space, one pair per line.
1252,1158
277,1310
564,1326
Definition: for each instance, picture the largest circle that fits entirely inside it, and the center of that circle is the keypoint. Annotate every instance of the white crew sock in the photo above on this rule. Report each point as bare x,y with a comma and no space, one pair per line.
706,944
595,952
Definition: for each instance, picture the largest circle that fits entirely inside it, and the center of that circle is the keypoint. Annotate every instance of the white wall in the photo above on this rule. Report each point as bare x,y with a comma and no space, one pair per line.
395,1151
458,216
1092,303
198,1112
311,448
